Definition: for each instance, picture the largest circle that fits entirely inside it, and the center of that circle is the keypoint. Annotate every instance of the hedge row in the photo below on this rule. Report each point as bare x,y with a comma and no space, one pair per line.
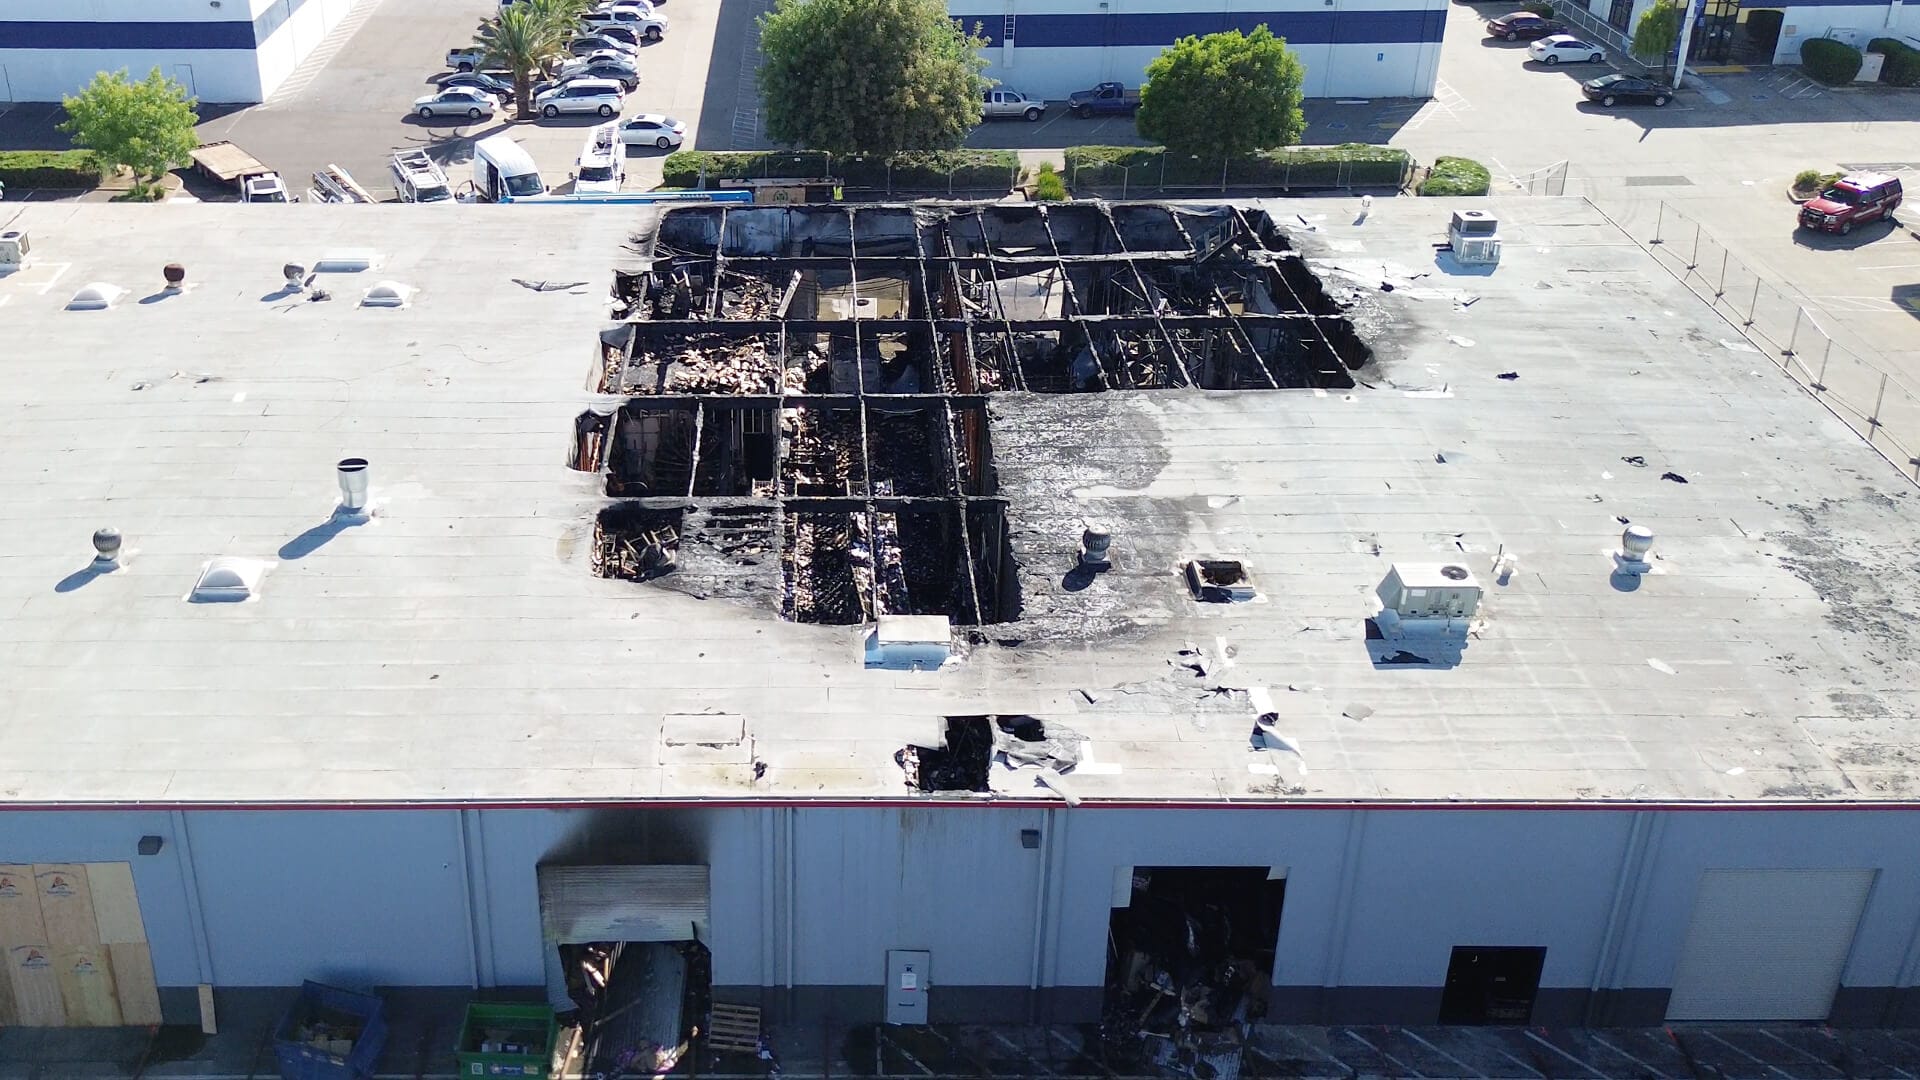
1903,61
1457,176
1148,167
1832,62
900,172
24,169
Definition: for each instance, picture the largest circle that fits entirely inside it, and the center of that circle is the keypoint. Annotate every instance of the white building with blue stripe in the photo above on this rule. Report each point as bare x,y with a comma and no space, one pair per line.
221,50
1351,48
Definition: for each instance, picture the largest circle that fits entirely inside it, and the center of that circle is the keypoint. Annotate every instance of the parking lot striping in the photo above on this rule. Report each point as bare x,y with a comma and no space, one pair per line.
1404,1067
746,117
1803,1053
1744,1054
1483,1076
309,69
1630,1057
1322,1053
1029,1058
1529,1034
1893,266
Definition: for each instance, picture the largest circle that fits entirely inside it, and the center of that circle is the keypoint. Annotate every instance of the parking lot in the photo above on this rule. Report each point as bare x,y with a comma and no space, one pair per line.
351,103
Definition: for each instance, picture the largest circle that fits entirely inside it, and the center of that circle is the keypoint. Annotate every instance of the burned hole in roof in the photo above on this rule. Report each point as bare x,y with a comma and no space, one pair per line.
961,763
832,365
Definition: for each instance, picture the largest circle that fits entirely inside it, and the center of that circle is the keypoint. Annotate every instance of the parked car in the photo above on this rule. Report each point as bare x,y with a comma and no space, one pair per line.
1011,103
626,35
466,57
602,96
1554,48
499,84
609,67
1854,199
625,14
589,44
1106,99
458,101
1523,24
1609,90
653,129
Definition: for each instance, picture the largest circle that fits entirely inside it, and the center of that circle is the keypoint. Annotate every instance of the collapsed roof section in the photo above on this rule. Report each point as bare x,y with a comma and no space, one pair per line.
824,371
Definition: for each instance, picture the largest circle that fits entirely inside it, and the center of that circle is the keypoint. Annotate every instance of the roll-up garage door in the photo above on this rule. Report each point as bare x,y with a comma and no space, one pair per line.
579,904
1767,944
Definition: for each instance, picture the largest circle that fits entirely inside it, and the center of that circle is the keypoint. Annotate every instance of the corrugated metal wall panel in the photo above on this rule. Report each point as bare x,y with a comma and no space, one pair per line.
1767,944
623,903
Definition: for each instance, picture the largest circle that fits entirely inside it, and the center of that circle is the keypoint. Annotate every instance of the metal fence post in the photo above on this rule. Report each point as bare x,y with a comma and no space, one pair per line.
1874,420
1721,289
1754,304
1794,337
1223,174
1820,380
1658,221
1693,260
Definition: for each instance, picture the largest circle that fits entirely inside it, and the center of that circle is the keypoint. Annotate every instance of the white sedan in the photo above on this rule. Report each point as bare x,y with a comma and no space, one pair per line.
652,129
457,101
1558,47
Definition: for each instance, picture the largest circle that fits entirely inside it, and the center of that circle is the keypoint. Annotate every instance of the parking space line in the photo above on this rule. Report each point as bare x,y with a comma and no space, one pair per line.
1543,1042
1629,1057
1404,1067
1416,1038
1803,1053
1744,1054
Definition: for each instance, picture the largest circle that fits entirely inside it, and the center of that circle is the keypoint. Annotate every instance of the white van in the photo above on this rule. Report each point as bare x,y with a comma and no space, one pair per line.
502,170
602,164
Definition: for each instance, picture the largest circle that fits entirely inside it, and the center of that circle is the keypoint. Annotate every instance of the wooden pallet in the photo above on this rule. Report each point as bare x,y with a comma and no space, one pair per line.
735,1027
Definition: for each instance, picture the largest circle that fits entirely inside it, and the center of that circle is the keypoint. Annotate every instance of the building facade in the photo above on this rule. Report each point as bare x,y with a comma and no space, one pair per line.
1350,48
1730,32
220,50
1621,911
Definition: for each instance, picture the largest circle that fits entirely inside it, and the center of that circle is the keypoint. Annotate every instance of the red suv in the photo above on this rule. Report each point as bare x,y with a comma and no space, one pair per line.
1852,200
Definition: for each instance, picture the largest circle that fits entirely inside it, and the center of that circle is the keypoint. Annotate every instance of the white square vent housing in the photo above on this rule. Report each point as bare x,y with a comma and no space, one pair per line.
1430,591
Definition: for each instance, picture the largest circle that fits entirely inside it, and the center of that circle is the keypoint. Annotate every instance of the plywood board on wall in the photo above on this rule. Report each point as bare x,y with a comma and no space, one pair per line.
116,909
66,904
133,984
19,908
86,986
36,988
7,1014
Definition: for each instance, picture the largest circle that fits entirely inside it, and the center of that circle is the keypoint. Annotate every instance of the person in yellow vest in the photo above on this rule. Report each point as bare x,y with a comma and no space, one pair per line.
838,191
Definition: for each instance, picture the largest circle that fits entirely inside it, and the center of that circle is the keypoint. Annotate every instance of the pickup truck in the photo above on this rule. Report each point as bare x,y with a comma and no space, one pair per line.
1011,104
225,163
1107,99
466,57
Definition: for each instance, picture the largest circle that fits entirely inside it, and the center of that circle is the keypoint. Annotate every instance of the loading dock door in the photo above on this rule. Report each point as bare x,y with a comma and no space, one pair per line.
1767,944
582,904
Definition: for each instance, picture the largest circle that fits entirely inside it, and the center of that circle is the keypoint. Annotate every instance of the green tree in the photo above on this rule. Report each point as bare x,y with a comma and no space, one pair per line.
146,126
1223,95
869,76
523,40
1658,30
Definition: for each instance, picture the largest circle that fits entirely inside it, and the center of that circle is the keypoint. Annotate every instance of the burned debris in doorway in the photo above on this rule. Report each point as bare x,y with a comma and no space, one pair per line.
831,368
1190,961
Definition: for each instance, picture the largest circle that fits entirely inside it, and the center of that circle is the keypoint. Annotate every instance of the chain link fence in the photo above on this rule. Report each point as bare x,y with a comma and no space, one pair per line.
1856,388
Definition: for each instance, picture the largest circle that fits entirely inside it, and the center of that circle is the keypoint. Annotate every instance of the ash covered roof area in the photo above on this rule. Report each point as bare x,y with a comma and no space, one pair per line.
1088,502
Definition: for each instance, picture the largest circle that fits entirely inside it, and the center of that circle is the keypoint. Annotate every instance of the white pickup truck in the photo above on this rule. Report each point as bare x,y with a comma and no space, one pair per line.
466,57
1004,104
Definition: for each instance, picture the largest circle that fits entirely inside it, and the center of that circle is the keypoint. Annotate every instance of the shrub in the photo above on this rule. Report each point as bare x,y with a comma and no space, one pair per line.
1903,61
1457,176
1538,7
933,171
1289,168
1832,62
1047,185
22,169
1813,180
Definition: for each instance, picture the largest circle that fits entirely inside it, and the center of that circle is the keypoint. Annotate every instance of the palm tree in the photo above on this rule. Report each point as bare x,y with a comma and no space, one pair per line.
523,39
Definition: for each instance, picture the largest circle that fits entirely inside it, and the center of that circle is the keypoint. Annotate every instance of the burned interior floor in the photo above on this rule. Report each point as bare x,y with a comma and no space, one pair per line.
806,417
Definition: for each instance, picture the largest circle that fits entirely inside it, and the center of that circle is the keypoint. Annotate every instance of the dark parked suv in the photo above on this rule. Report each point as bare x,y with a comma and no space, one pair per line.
1523,24
1852,200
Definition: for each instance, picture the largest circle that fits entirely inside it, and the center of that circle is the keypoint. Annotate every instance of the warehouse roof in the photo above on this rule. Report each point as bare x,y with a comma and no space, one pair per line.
456,642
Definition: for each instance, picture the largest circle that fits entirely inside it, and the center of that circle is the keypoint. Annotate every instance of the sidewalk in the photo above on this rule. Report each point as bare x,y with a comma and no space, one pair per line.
425,1022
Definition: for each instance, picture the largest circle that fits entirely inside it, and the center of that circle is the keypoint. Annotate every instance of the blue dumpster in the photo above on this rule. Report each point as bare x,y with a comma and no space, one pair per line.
330,1034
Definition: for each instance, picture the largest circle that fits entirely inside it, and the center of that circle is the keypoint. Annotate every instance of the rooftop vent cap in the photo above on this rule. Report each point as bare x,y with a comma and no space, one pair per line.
95,296
1095,544
387,294
295,274
1635,542
174,273
353,484
228,581
106,548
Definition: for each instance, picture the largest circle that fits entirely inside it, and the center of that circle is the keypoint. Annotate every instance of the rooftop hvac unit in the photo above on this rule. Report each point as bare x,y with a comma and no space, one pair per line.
14,249
1427,596
1474,235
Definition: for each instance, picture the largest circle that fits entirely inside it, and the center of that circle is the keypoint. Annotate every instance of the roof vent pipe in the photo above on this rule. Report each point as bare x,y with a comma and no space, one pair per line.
106,547
1635,542
1094,544
353,484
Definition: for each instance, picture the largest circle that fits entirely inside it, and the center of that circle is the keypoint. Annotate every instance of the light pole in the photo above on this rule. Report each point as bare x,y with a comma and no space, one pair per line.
1687,15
